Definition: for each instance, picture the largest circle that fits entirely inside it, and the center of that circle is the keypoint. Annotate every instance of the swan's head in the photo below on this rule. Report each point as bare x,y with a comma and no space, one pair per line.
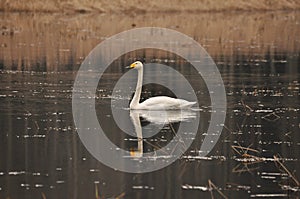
137,65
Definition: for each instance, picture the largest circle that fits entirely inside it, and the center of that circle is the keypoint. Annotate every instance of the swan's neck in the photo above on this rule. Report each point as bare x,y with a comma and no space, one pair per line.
138,90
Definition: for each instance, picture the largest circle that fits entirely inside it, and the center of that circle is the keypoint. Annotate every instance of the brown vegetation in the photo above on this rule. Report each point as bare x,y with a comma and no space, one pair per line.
56,41
134,6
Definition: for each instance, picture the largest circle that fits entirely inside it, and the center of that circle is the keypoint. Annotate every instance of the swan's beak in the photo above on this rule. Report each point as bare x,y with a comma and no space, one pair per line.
131,66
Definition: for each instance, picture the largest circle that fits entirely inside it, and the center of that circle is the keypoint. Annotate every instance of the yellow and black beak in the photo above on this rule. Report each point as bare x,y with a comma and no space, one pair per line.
131,66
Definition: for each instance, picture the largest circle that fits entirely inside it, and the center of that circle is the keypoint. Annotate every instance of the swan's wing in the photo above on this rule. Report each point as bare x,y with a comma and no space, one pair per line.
164,102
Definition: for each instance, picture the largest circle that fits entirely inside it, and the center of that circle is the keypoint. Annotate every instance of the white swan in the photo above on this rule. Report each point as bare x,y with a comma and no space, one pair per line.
154,103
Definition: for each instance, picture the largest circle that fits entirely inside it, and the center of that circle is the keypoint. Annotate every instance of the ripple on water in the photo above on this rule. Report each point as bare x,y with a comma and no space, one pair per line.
143,187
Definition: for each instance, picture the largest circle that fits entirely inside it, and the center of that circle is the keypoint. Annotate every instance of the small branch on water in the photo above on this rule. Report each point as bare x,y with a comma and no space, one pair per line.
121,195
97,195
37,125
276,160
212,187
43,196
247,108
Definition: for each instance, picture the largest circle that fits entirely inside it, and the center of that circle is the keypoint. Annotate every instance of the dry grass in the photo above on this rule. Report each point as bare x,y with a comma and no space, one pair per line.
118,6
250,159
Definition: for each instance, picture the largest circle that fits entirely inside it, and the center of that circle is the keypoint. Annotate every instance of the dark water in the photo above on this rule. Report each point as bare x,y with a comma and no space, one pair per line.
42,155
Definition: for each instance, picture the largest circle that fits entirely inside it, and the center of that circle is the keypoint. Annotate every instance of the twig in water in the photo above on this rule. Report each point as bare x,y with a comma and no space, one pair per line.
212,187
172,128
276,160
156,147
247,159
243,167
37,125
120,196
43,196
244,149
246,155
178,137
247,108
271,117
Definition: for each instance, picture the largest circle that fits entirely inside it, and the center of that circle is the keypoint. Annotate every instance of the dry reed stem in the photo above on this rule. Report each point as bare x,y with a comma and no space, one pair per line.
120,196
176,136
156,147
266,117
248,157
245,168
247,108
212,187
43,195
97,195
276,160
234,147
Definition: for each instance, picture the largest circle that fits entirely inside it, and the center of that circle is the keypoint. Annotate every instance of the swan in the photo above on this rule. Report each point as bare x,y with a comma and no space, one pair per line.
154,103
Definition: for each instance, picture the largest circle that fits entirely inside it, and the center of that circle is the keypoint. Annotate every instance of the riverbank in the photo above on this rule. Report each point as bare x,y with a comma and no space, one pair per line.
57,41
137,6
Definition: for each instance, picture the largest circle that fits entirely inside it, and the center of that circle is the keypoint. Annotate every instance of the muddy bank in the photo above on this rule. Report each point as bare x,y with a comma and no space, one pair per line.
137,6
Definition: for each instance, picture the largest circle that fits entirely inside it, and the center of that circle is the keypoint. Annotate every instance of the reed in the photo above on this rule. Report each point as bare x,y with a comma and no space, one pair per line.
47,42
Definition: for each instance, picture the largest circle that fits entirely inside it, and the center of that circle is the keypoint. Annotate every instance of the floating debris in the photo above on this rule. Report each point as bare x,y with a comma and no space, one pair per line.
14,173
212,187
194,187
268,195
271,117
25,185
285,169
144,187
94,170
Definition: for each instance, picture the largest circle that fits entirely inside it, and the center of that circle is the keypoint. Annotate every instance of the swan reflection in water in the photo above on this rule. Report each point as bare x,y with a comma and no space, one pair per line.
157,118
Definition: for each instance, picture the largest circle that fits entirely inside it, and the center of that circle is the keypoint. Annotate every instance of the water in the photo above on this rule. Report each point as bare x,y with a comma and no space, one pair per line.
41,154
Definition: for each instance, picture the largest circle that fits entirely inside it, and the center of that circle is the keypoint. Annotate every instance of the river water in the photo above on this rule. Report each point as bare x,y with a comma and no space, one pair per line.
257,153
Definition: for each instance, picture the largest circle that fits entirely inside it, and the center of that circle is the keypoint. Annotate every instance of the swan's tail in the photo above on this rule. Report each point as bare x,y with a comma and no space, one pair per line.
187,105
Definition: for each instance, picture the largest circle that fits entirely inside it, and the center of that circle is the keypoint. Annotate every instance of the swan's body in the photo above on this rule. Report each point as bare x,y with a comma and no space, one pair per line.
154,103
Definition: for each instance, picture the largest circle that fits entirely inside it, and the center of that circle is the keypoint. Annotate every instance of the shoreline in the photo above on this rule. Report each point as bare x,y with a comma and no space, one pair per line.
60,41
155,6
